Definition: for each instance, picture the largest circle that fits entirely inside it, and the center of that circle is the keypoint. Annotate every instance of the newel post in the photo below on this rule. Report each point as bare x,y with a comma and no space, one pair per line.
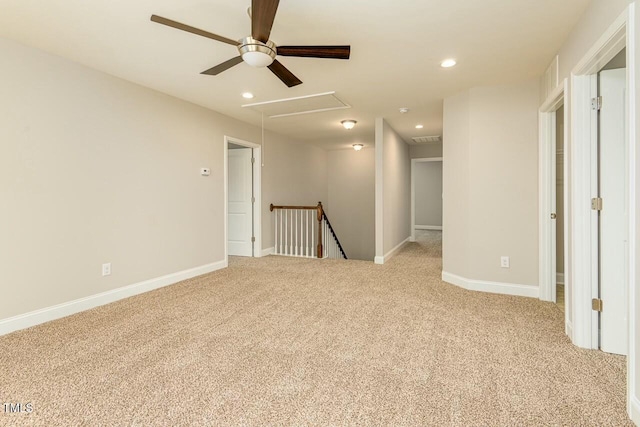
319,209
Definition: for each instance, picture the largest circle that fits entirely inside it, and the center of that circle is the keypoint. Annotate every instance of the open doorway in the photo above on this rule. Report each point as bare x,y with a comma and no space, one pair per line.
426,195
612,215
559,209
242,185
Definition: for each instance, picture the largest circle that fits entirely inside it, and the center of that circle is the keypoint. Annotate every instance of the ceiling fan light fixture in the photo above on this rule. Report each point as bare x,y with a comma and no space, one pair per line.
358,147
348,124
256,53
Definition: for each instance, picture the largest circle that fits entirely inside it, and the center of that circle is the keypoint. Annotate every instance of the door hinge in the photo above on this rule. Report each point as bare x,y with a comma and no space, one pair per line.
253,240
596,204
596,304
253,199
253,160
596,103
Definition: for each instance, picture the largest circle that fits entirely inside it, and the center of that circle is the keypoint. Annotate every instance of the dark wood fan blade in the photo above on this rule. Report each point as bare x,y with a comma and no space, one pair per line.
214,71
263,12
332,52
190,29
283,74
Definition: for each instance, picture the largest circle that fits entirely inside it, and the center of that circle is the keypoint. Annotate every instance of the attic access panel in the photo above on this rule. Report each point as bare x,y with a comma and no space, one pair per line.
308,104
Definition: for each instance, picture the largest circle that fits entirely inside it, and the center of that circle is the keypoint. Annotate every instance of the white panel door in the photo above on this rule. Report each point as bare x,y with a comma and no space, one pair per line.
240,221
613,289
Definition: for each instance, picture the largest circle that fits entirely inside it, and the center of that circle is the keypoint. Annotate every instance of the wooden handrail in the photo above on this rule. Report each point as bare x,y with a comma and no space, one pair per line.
272,207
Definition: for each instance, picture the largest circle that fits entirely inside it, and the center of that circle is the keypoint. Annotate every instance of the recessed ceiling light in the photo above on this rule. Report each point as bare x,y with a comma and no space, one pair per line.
419,126
404,110
247,95
448,63
357,147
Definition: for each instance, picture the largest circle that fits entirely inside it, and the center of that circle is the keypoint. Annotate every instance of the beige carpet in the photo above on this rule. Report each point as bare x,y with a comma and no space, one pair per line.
283,341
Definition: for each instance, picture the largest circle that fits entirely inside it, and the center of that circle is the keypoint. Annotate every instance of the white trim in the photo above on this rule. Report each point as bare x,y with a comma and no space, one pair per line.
583,267
426,227
257,193
633,404
568,327
268,251
560,278
65,309
634,409
610,43
415,227
391,253
379,197
492,287
583,138
547,189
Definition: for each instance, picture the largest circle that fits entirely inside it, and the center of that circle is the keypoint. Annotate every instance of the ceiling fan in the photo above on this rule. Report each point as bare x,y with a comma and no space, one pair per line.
257,50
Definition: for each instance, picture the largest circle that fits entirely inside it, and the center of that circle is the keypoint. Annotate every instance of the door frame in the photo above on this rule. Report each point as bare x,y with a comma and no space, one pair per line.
412,238
547,195
583,179
584,131
257,193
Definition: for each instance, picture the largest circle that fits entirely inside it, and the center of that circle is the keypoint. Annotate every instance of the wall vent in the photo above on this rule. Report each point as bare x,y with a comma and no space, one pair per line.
426,139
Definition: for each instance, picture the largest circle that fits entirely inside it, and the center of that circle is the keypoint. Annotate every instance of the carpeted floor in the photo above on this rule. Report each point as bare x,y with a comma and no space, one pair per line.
283,341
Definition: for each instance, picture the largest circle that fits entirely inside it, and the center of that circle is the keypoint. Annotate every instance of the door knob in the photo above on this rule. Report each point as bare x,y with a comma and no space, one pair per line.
553,216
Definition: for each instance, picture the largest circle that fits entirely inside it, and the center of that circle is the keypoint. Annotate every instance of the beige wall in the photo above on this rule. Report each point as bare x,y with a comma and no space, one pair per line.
393,190
501,186
428,193
94,169
351,182
455,185
293,174
425,150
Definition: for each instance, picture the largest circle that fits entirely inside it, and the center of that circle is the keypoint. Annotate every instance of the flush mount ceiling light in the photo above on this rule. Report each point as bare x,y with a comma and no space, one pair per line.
247,95
419,126
358,147
348,124
256,53
448,63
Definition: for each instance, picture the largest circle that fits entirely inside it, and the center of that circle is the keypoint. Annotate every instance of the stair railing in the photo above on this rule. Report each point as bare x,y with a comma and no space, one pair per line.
304,231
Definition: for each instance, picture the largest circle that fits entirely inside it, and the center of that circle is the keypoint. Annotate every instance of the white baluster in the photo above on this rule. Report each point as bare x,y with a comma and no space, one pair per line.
275,236
306,226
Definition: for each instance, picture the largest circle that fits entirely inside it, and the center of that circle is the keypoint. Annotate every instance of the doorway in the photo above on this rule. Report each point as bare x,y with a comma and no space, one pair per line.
612,211
426,195
242,188
559,209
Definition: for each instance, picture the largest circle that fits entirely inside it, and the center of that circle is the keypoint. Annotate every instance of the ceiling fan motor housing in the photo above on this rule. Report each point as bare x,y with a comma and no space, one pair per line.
256,53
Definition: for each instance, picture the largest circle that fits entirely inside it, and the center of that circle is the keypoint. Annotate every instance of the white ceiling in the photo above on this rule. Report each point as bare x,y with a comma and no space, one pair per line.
396,48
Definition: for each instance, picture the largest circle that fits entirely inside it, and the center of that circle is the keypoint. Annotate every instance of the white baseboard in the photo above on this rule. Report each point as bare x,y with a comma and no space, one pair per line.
65,309
428,227
268,251
560,278
568,329
492,287
634,410
392,252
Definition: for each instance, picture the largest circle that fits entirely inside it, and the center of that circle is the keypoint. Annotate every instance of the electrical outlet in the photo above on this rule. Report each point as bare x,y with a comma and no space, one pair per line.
106,269
205,171
504,261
